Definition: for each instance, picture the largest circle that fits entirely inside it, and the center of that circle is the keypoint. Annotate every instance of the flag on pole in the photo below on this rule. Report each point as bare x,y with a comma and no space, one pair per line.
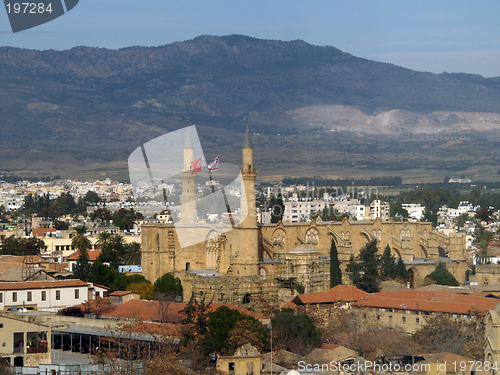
214,166
196,164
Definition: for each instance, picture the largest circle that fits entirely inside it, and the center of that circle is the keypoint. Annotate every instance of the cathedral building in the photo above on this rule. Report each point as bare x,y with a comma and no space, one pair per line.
260,261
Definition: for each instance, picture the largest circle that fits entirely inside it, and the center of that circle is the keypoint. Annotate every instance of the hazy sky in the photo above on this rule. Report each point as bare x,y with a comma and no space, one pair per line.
436,36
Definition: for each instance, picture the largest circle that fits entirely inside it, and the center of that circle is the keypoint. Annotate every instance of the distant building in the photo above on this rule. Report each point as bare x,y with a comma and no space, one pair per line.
42,295
415,210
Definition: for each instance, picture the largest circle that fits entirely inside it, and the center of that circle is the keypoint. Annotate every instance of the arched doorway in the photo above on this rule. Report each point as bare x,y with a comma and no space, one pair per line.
412,274
246,298
19,361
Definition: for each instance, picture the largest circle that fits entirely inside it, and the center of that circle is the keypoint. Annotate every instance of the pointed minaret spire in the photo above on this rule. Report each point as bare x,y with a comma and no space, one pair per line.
247,142
188,143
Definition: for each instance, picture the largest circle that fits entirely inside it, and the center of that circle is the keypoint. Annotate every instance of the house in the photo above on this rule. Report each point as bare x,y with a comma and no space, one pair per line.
73,258
245,360
97,291
121,296
339,296
24,343
42,295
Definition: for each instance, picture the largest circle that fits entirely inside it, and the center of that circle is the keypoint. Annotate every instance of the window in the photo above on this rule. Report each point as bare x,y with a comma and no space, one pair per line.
1,297
58,295
29,296
14,296
77,293
404,319
44,295
417,320
390,318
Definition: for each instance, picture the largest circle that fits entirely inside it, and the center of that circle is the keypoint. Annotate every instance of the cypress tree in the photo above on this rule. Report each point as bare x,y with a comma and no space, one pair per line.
401,272
388,265
335,272
369,267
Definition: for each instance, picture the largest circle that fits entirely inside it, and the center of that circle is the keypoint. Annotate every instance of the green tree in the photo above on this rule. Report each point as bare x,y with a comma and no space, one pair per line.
335,272
462,219
104,239
168,286
442,276
401,271
481,255
277,209
23,246
295,332
125,219
397,211
369,265
64,205
195,323
221,323
102,274
354,269
82,244
388,265
101,213
133,253
112,248
485,213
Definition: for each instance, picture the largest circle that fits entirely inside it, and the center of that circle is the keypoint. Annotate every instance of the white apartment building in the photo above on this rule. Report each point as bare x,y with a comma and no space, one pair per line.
415,210
376,209
11,201
42,295
297,211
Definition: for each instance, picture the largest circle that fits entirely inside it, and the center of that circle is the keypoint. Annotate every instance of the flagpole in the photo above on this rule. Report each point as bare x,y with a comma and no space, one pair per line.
211,181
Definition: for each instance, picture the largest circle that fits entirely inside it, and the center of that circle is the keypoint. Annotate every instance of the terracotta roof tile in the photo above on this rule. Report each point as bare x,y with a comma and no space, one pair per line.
121,293
150,310
340,293
93,255
438,301
40,232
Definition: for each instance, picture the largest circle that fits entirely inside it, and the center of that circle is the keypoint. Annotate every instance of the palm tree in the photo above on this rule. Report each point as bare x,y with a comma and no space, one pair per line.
104,239
481,255
133,253
80,241
82,244
118,242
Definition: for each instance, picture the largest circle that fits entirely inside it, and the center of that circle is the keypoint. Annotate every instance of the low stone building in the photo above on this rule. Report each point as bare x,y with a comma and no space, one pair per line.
24,343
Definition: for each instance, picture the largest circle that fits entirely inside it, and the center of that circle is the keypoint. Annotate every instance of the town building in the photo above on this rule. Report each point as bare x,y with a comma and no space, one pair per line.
42,295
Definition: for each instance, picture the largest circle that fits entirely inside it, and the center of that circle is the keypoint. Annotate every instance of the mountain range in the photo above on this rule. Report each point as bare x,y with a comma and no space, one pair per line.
83,111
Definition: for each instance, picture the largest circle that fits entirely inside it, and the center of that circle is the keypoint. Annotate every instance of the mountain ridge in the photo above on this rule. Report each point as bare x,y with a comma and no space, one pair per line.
116,100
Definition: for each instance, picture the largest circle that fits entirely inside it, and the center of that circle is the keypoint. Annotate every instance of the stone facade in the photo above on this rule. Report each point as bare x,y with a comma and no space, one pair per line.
286,251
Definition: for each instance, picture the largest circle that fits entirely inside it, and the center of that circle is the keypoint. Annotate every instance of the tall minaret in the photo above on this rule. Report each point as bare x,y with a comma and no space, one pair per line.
247,261
188,198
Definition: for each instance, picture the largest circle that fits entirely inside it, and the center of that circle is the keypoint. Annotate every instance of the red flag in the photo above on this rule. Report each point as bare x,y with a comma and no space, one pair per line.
196,164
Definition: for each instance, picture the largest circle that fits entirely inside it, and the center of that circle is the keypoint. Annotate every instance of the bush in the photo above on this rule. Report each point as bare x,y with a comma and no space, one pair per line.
442,276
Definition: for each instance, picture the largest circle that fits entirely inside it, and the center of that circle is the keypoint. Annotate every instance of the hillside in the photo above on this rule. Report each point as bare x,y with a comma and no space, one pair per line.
75,108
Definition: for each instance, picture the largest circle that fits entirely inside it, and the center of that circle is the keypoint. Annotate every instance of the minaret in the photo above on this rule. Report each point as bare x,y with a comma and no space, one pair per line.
188,198
247,263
